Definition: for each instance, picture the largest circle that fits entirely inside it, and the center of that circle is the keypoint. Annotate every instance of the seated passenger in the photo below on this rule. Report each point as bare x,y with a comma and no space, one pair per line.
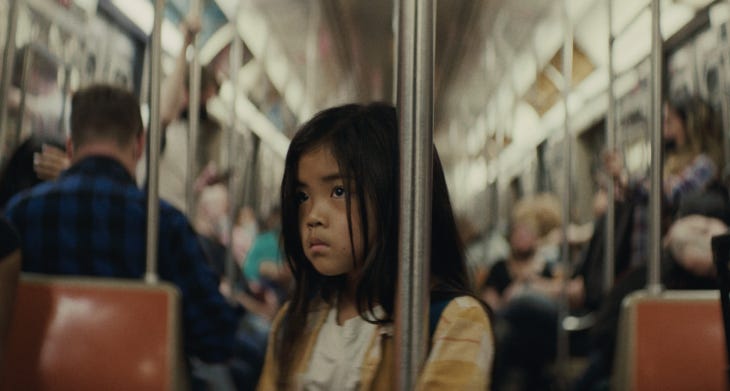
264,262
91,221
686,263
523,269
9,271
523,290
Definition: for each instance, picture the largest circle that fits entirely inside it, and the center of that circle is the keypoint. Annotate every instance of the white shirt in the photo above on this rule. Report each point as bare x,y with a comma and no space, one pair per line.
174,166
338,354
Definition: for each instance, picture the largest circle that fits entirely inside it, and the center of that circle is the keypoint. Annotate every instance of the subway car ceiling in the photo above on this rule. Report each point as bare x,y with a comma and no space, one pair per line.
498,105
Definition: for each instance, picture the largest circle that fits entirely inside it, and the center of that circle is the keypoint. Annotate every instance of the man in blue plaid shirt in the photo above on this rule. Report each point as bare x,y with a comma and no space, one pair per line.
92,221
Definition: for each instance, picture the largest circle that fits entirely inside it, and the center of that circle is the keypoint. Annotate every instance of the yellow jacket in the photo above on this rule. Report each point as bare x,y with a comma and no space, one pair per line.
460,356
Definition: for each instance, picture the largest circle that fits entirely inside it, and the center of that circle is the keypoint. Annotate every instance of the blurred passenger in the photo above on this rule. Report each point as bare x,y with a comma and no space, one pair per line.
36,159
523,269
481,251
264,260
92,221
211,224
523,291
339,226
590,268
10,258
36,90
692,138
686,263
174,116
545,210
244,231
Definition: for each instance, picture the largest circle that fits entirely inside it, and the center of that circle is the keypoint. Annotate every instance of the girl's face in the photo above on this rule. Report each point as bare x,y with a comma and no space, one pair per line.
322,198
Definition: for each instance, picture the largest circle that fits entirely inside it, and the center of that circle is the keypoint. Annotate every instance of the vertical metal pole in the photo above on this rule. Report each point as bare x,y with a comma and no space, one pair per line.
7,71
655,196
26,65
415,103
499,181
563,347
609,258
153,149
311,53
235,65
725,101
503,217
725,106
193,118
396,46
251,183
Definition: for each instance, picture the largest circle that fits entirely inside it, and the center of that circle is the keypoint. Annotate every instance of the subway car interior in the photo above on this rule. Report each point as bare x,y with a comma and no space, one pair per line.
585,146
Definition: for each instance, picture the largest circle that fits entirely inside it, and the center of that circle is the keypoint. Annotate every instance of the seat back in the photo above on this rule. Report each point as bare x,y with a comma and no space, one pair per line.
93,334
673,341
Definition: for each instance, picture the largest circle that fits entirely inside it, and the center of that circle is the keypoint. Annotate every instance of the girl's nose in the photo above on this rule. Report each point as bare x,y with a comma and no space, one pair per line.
314,217
311,222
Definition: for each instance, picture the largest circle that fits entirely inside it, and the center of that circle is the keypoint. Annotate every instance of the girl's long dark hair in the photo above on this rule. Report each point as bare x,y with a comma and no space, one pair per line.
363,139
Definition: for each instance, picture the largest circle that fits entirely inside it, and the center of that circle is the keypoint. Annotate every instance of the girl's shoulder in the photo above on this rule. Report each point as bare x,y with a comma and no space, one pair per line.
463,342
458,315
467,308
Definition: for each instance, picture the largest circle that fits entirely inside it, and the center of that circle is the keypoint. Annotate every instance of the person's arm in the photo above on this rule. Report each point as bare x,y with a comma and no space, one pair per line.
50,162
614,168
462,349
688,241
492,298
265,303
210,322
173,87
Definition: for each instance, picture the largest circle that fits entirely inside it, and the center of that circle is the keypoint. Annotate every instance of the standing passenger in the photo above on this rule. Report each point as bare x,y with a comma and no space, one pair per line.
339,205
92,221
175,124
692,138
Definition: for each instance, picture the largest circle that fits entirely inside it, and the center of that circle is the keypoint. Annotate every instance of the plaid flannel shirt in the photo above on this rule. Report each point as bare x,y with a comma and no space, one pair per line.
92,222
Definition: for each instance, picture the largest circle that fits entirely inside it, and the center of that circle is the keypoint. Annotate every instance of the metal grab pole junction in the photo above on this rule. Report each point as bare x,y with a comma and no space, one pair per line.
153,149
415,104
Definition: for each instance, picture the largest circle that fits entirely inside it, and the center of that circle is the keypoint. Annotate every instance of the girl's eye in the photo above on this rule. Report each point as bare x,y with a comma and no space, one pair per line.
338,192
300,197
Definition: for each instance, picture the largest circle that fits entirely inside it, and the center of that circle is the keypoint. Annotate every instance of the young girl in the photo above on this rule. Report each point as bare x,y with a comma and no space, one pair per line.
339,200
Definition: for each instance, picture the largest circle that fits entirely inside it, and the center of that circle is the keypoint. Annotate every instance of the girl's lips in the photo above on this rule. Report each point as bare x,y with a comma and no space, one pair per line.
318,248
316,245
